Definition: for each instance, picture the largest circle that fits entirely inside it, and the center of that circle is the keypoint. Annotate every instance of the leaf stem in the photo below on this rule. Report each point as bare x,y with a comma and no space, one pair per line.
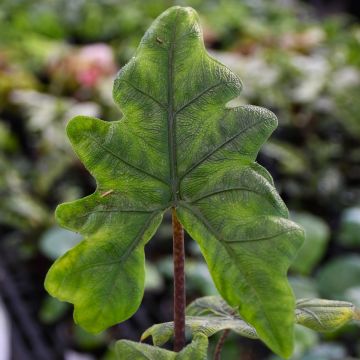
179,283
220,344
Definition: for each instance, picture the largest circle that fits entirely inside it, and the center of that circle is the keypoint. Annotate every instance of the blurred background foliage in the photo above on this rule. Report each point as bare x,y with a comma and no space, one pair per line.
58,59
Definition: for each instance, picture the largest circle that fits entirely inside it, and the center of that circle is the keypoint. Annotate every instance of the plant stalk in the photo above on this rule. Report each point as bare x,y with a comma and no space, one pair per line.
220,344
179,283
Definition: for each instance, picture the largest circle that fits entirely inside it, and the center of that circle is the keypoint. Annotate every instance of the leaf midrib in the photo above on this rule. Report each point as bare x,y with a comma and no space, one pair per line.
172,116
218,147
172,113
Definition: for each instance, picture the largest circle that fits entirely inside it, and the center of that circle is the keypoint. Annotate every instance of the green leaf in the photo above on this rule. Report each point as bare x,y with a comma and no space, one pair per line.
316,237
211,314
207,315
178,145
129,350
325,315
339,275
210,305
161,333
102,276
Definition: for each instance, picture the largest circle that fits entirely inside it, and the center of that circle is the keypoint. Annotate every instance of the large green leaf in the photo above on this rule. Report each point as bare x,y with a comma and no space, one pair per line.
178,145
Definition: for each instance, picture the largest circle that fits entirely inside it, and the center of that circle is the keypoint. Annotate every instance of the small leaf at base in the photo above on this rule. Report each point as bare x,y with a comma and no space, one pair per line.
211,314
129,350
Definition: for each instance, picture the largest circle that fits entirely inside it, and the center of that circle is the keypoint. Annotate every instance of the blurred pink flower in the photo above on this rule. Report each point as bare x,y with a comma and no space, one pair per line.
85,66
92,62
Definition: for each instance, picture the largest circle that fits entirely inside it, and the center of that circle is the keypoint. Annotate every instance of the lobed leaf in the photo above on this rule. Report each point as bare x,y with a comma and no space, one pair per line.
178,145
102,274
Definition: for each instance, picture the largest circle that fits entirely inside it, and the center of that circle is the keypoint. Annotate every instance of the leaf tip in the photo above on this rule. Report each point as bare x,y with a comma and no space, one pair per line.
270,117
146,334
280,341
72,126
186,10
284,349
91,325
81,126
62,215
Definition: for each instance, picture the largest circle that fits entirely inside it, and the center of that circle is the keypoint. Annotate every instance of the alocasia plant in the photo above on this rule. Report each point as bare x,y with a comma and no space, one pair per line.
180,147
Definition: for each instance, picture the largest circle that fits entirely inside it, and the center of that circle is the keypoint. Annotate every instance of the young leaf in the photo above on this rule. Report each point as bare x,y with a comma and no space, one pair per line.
178,145
211,314
325,315
129,350
206,325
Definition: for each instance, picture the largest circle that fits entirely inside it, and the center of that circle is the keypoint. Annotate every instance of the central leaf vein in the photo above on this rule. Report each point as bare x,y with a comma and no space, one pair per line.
172,116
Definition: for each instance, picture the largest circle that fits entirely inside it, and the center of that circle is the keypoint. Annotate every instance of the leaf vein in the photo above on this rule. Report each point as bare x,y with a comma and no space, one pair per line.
126,162
145,93
227,141
262,238
311,313
132,246
235,189
199,96
115,211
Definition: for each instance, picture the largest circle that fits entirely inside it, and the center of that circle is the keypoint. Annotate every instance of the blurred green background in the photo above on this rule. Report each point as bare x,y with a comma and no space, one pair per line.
58,59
